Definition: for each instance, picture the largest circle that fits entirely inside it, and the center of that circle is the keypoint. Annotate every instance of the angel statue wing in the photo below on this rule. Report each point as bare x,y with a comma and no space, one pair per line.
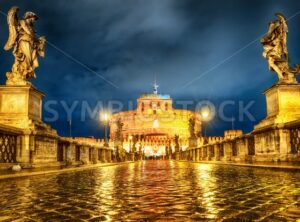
284,32
12,21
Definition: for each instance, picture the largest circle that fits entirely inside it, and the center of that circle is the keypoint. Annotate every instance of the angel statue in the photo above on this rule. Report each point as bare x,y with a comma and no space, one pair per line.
26,47
192,128
276,53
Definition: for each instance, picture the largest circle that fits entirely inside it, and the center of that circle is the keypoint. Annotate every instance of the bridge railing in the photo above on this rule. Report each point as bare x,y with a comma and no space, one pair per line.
279,143
10,147
29,149
294,128
80,150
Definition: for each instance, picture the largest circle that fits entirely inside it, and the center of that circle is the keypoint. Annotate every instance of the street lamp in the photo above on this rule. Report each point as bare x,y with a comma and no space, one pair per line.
205,117
205,114
105,117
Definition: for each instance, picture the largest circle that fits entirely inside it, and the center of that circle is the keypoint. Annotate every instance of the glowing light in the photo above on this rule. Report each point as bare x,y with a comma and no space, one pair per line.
205,114
154,150
105,116
155,124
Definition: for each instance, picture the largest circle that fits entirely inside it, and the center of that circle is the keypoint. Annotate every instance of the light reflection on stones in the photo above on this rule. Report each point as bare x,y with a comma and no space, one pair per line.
154,191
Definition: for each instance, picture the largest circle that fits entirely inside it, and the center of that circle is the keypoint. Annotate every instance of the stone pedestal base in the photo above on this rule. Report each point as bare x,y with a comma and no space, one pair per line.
20,106
272,139
283,105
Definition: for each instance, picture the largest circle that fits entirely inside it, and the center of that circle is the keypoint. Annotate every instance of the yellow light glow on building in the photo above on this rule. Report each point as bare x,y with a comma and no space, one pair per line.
154,124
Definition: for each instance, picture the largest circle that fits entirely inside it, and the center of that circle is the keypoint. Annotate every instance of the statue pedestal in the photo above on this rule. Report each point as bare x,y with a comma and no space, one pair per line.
283,104
20,106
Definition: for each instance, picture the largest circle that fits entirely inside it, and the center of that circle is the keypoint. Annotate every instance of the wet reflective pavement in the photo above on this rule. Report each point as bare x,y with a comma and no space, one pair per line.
154,191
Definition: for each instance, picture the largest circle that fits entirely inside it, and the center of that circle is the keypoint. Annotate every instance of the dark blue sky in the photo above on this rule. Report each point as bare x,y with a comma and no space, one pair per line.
215,43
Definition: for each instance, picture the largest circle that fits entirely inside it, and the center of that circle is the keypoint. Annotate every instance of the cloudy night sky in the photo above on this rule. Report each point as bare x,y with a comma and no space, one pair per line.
103,50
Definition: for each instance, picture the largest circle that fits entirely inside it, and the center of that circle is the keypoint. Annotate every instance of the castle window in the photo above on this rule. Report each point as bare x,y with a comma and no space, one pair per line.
143,107
154,106
166,107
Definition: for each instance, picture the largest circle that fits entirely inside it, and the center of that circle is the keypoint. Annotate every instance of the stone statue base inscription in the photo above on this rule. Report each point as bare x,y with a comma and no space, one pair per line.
20,106
283,104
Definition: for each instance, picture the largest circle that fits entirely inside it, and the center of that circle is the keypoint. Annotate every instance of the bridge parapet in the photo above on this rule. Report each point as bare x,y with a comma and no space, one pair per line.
279,142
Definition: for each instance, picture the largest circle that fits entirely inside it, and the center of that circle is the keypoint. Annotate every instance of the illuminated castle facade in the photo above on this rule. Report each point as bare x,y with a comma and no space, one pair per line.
153,125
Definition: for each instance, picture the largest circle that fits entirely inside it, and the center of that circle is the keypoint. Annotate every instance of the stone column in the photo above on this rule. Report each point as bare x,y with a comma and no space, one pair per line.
28,149
19,151
23,147
227,151
242,151
65,151
103,158
206,152
84,157
217,152
285,144
72,153
197,154
132,156
200,154
193,155
108,156
99,155
209,154
94,155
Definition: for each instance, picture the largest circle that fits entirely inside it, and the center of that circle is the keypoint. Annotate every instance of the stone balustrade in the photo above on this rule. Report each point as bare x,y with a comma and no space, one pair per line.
81,150
10,145
31,149
274,143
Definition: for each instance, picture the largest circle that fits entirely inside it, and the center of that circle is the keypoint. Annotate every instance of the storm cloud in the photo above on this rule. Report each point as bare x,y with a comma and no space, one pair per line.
101,50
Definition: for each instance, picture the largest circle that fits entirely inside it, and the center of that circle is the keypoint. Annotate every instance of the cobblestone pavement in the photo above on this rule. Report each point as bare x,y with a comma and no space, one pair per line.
154,191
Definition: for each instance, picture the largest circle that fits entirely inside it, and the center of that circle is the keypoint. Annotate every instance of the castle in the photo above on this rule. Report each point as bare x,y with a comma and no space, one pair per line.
153,126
